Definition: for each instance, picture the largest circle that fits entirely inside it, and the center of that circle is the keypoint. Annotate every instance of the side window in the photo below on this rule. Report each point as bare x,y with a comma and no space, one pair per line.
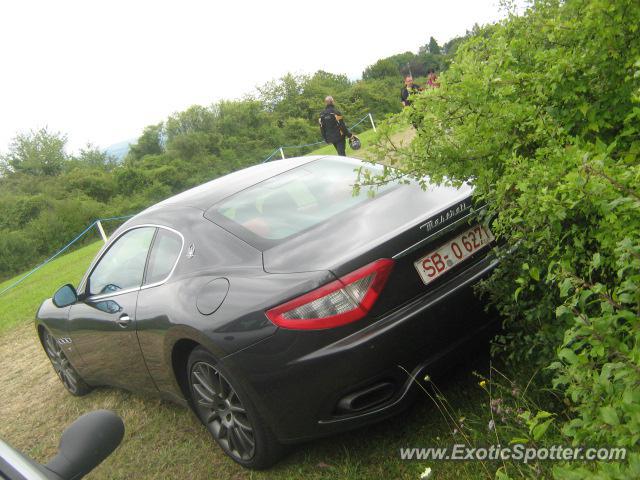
122,267
164,253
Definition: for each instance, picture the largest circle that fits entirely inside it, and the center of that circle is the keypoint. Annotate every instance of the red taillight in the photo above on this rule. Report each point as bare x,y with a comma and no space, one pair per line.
337,303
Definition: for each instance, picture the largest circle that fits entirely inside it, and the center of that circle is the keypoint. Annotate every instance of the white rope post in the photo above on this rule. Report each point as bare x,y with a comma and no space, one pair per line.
372,124
282,153
101,230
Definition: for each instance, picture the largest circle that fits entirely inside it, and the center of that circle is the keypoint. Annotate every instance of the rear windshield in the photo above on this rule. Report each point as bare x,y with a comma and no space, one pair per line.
296,200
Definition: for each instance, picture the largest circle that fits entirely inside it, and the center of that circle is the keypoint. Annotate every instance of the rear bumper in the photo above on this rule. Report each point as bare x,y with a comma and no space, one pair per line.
299,382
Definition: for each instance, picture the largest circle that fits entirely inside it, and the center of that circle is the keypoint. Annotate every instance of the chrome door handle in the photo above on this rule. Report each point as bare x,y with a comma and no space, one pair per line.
124,320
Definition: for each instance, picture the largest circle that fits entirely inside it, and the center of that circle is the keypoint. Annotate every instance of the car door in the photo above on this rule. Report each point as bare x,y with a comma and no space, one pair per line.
157,303
102,326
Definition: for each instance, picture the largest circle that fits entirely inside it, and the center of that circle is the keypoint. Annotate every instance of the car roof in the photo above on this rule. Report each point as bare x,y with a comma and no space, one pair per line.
204,196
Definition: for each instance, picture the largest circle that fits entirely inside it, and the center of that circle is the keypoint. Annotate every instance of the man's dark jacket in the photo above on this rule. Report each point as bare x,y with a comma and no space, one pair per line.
332,125
405,92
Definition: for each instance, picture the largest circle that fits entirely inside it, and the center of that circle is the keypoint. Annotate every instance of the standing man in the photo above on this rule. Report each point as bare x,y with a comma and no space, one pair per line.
408,89
333,128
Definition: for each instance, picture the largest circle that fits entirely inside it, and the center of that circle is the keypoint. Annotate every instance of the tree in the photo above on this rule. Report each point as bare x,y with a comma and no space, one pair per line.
149,143
316,88
281,95
379,97
381,69
434,48
193,132
92,157
194,119
38,152
450,47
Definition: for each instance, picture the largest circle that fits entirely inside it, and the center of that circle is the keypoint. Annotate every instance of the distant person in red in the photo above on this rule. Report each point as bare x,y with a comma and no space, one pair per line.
408,89
432,79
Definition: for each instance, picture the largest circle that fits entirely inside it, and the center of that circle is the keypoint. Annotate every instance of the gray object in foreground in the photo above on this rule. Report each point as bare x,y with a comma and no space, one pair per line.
83,446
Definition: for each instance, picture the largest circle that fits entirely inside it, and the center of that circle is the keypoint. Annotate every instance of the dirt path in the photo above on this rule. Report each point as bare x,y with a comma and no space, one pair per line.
400,139
404,138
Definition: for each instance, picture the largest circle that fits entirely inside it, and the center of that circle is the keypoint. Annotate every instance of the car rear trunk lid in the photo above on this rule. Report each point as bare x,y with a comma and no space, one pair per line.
404,224
385,226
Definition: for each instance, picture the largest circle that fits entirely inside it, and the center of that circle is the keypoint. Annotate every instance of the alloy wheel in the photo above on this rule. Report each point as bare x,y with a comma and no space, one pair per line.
222,412
60,363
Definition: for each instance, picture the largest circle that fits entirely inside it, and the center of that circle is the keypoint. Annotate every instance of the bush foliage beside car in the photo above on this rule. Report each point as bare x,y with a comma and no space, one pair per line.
542,113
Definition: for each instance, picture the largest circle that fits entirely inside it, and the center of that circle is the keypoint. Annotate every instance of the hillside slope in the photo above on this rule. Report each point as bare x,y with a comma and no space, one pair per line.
403,136
21,302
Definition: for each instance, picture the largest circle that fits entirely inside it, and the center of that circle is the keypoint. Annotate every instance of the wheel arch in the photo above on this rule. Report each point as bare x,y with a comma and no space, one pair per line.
40,330
179,359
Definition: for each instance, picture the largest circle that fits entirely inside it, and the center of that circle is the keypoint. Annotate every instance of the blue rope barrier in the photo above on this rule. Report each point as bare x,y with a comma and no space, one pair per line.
271,155
360,121
62,250
114,218
309,144
305,145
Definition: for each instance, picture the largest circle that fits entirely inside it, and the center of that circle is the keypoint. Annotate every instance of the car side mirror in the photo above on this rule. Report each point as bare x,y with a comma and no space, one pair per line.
65,296
86,443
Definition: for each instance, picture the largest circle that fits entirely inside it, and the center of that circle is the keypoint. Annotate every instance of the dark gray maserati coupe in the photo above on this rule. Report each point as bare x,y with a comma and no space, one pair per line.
277,303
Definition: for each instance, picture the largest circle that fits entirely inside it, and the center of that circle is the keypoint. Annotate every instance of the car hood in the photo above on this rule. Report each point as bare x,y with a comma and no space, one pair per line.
396,219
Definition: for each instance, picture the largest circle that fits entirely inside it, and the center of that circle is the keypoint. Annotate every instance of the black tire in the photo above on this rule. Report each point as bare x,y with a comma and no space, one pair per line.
71,380
229,414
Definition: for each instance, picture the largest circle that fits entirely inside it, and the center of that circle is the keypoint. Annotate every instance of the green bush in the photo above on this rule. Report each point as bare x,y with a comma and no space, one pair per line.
94,183
130,180
16,250
17,211
542,113
50,230
379,97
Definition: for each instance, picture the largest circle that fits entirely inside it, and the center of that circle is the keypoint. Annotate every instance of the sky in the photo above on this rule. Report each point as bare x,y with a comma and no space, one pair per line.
100,71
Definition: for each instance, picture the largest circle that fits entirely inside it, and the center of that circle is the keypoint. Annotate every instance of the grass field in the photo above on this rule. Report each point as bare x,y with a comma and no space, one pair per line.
166,441
16,307
163,440
367,137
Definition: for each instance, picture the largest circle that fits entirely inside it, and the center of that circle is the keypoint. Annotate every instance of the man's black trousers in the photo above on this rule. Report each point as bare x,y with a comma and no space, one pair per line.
340,146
